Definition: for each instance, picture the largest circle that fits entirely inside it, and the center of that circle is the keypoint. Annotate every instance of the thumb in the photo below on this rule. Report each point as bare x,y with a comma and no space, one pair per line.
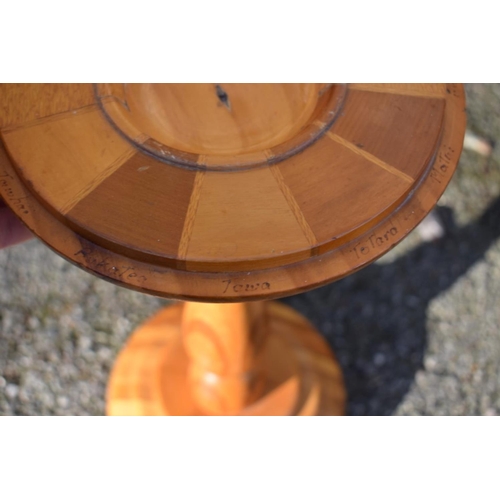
12,230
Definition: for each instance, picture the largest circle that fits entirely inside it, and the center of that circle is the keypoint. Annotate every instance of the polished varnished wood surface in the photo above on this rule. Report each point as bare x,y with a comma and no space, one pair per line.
313,182
256,118
226,359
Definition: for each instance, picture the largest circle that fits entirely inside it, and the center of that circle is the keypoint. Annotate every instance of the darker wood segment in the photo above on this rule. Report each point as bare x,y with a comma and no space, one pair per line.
142,206
344,194
401,130
21,103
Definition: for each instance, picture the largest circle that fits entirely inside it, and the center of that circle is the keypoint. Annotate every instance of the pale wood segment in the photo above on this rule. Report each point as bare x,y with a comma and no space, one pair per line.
354,190
143,205
244,215
414,89
191,215
21,103
400,130
63,164
294,207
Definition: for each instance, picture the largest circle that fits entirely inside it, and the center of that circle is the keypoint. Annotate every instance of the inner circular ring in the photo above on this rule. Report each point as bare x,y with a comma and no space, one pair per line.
221,126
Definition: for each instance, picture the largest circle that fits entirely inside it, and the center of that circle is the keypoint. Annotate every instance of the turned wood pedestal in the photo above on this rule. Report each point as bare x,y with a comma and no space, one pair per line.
226,195
226,359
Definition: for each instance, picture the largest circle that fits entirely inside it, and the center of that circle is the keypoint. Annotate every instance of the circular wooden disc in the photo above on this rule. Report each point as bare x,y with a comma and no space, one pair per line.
230,192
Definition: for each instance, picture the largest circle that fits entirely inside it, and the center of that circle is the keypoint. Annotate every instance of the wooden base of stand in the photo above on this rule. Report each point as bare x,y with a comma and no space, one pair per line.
293,373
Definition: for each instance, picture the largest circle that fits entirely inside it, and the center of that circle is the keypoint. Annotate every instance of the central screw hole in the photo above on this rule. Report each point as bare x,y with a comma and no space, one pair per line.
223,97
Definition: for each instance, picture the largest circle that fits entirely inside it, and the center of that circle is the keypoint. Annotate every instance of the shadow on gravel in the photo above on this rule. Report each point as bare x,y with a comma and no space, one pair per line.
375,320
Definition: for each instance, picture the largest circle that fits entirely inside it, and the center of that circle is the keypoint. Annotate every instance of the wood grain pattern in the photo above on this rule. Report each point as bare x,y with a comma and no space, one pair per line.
192,210
209,119
221,126
412,89
400,130
22,103
369,157
280,220
242,226
356,190
155,375
145,202
224,343
294,206
70,154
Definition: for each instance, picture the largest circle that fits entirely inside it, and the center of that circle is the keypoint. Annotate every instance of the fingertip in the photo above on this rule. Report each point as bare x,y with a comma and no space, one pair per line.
12,230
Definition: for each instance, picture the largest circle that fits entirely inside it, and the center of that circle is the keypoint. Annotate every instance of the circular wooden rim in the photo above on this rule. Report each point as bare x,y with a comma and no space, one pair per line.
333,99
341,258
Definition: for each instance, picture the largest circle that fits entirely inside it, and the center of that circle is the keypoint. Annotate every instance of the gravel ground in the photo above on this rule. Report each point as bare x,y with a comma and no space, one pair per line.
416,333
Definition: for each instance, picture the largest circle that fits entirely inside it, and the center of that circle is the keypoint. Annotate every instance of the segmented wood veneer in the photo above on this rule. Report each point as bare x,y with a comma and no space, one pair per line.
226,192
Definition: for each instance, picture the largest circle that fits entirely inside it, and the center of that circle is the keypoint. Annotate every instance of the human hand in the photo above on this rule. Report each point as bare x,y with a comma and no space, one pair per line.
12,230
